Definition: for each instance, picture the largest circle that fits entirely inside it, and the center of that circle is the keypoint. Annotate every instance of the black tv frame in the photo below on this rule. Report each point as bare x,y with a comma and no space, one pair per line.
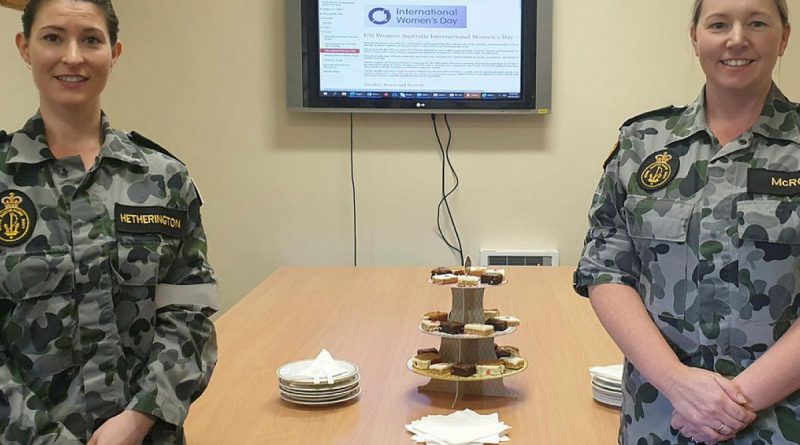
303,89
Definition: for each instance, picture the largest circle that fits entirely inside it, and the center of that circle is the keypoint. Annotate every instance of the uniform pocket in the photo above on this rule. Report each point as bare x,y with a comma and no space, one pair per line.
35,275
658,229
39,327
141,257
136,268
769,259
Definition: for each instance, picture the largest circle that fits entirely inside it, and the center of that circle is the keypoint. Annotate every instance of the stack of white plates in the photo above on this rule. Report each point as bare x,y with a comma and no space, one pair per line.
607,384
303,391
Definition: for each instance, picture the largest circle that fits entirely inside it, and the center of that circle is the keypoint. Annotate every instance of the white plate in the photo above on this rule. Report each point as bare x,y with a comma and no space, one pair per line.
613,401
509,330
308,391
607,398
605,392
612,372
287,371
607,381
320,397
352,396
600,389
321,386
601,384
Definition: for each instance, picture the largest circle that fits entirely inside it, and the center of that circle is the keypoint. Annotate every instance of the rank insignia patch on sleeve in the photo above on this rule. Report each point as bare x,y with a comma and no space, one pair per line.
17,217
658,170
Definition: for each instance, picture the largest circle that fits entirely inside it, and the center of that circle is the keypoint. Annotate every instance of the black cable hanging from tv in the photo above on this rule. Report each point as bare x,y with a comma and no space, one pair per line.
353,183
445,152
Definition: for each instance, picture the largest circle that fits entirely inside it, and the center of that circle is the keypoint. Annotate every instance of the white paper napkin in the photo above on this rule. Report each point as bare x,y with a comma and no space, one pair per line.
610,372
459,428
323,367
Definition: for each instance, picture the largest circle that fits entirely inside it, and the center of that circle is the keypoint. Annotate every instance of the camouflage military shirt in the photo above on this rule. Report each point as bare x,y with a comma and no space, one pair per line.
106,290
709,236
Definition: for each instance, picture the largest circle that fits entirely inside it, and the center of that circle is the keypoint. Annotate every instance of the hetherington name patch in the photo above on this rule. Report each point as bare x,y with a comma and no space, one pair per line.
162,220
128,218
773,182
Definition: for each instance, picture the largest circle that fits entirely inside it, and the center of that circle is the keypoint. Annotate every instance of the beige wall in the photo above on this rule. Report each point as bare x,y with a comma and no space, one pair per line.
206,79
19,97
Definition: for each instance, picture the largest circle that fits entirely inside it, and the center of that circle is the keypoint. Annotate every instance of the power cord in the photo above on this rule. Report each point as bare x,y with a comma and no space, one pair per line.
445,152
353,182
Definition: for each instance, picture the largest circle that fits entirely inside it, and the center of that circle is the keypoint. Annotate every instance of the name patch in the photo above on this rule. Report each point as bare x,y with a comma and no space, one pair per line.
17,218
773,182
161,220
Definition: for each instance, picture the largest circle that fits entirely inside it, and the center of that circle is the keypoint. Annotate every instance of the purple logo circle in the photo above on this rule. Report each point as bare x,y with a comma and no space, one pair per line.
380,16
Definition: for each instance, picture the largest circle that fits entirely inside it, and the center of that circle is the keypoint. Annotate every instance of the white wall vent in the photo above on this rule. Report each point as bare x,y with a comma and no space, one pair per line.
512,257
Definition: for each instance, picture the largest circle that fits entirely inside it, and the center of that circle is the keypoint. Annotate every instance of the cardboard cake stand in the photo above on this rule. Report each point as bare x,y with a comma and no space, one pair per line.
467,307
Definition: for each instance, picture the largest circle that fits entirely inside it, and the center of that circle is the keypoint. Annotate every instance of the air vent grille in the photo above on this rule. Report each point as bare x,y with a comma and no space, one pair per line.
546,257
495,260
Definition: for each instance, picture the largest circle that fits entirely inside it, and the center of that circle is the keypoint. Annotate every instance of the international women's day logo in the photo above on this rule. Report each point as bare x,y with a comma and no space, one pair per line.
417,16
380,16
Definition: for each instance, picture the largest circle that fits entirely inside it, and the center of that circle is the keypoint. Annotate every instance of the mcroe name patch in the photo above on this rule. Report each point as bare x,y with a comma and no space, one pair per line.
773,182
132,219
17,217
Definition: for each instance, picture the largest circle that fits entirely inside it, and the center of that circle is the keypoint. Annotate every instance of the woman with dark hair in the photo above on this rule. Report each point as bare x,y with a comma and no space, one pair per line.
692,261
105,289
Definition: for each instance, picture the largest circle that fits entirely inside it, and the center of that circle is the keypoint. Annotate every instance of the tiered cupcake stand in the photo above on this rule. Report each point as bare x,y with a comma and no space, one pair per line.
467,307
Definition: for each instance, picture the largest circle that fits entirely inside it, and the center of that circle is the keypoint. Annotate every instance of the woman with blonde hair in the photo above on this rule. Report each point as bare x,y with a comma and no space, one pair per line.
692,260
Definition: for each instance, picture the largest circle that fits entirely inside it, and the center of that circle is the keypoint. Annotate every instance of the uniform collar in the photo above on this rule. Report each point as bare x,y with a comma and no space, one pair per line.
778,119
29,145
117,145
690,122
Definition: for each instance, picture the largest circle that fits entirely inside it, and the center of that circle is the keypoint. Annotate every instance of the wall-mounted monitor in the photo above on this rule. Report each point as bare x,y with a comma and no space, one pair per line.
431,56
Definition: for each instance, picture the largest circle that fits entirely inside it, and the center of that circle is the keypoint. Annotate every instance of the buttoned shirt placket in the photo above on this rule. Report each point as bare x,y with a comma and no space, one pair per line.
719,291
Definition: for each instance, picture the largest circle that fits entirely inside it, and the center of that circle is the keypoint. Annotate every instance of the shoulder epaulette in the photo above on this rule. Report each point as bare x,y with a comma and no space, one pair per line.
666,111
138,139
614,151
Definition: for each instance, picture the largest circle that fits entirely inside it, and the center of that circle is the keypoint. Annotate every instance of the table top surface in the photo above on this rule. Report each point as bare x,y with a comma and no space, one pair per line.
369,316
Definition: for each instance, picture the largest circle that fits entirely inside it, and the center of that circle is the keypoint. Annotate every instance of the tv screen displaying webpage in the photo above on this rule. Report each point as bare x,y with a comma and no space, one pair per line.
456,50
482,56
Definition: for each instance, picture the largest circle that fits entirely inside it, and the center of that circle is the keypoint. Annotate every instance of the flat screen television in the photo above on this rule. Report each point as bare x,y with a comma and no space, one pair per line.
429,56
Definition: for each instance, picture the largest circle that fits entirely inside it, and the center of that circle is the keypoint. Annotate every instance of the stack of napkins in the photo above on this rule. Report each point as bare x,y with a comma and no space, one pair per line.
322,367
607,384
459,428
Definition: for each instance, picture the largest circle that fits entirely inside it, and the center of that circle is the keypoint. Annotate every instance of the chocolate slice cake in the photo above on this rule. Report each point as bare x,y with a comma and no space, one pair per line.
463,369
440,271
452,327
491,278
499,325
427,351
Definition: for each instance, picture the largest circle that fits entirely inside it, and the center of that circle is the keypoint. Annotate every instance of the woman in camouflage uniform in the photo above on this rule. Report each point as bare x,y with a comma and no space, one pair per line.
692,261
105,289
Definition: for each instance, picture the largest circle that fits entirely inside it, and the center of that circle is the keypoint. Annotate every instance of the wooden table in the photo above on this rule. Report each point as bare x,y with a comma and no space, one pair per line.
369,316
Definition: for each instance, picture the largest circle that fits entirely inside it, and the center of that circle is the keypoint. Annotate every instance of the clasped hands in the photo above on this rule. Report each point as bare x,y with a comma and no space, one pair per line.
709,408
127,428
